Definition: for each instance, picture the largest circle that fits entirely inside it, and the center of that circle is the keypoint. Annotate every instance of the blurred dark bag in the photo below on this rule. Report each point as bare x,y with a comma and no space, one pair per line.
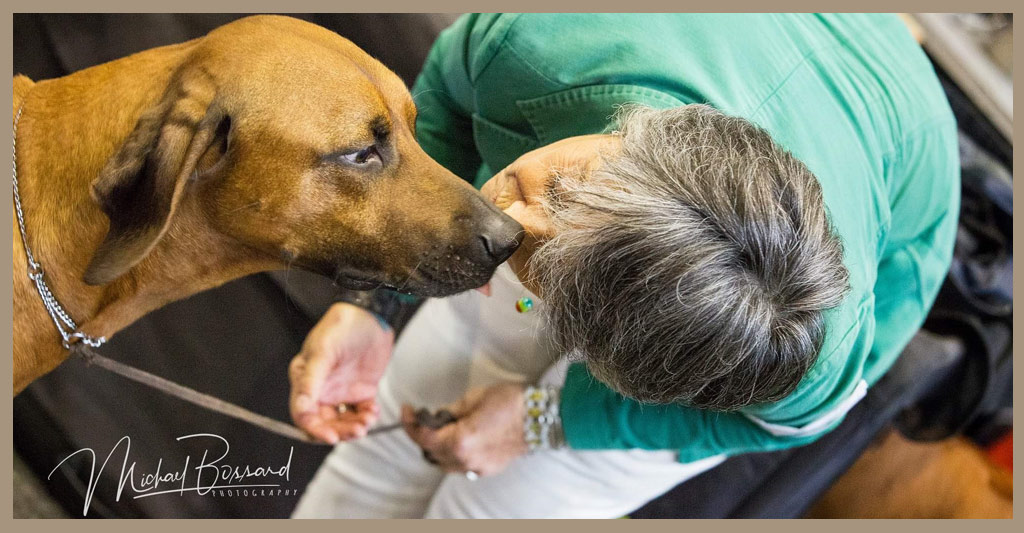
975,305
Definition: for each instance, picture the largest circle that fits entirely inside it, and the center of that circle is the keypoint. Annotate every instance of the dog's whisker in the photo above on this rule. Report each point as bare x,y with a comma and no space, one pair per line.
246,206
409,277
422,92
288,281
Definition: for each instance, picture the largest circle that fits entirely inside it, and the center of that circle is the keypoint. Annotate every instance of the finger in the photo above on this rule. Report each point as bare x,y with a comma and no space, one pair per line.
317,427
308,373
307,417
443,448
364,416
348,430
311,379
369,406
437,445
444,442
300,404
348,425
409,424
423,436
407,415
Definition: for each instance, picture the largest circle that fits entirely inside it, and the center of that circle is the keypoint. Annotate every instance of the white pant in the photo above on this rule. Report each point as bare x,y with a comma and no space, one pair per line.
451,345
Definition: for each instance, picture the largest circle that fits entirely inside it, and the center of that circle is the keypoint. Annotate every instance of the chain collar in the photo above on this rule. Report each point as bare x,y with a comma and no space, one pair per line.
65,324
76,341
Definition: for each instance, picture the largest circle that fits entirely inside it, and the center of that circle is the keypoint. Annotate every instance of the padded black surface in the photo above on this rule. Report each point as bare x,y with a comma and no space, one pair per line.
49,45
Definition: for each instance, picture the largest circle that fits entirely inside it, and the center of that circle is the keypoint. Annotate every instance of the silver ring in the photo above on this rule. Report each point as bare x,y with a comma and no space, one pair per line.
471,475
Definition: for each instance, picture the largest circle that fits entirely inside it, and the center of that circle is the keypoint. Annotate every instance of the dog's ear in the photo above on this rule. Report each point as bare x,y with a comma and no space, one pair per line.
142,184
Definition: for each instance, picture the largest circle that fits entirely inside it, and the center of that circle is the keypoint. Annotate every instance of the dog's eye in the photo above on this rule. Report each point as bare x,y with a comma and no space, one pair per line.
362,157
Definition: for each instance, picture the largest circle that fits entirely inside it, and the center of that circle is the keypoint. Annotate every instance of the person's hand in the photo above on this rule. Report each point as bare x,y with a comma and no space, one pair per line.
487,436
334,378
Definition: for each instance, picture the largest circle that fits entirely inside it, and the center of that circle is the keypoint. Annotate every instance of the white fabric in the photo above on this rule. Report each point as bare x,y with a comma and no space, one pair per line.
451,345
820,424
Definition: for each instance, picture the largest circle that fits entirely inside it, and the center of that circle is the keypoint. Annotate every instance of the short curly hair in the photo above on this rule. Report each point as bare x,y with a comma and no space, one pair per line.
694,265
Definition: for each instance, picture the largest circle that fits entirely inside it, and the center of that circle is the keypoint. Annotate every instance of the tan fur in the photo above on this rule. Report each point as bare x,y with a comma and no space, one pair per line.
293,91
899,478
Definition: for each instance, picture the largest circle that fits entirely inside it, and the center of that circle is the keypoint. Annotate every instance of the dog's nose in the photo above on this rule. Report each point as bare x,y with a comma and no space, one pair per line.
500,237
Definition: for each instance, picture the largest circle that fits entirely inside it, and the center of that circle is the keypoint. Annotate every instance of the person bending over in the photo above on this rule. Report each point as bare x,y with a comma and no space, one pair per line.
734,225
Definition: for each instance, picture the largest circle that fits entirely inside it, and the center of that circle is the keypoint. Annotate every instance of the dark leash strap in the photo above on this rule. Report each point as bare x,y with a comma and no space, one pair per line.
424,417
92,358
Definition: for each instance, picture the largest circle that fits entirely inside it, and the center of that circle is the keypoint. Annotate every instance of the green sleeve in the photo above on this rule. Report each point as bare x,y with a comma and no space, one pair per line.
443,95
595,417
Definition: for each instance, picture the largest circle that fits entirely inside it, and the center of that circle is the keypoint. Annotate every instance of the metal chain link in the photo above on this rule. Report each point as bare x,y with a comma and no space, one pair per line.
65,324
77,342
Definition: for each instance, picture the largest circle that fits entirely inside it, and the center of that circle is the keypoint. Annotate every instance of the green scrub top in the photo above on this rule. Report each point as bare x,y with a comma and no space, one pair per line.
852,96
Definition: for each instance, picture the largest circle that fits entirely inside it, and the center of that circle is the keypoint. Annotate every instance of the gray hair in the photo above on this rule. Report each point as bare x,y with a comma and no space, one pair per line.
694,265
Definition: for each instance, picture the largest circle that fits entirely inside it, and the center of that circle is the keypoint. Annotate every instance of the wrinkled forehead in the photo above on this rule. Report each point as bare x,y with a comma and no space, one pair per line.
327,106
312,91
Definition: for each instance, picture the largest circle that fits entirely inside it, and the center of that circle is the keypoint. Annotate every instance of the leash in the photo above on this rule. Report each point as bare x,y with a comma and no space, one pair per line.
77,342
212,403
424,417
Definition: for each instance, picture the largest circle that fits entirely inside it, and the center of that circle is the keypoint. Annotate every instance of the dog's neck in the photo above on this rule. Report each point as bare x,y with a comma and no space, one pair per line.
68,129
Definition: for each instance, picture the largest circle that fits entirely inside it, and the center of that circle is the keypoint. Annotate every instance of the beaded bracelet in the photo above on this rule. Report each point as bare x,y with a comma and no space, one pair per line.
542,426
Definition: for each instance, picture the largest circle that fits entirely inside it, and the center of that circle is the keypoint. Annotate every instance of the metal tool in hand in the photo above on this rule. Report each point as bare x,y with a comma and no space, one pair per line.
424,418
434,421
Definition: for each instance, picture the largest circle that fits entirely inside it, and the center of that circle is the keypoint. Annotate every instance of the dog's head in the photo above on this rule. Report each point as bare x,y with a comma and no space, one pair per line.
295,143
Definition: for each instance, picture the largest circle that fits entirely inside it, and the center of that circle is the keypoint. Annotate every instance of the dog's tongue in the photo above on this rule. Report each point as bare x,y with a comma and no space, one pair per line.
485,289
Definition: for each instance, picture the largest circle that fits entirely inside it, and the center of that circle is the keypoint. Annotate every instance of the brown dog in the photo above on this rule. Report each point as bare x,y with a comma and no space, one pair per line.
268,143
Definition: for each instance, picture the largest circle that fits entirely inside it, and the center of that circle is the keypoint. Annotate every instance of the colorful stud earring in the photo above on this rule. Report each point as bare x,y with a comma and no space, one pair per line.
524,305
